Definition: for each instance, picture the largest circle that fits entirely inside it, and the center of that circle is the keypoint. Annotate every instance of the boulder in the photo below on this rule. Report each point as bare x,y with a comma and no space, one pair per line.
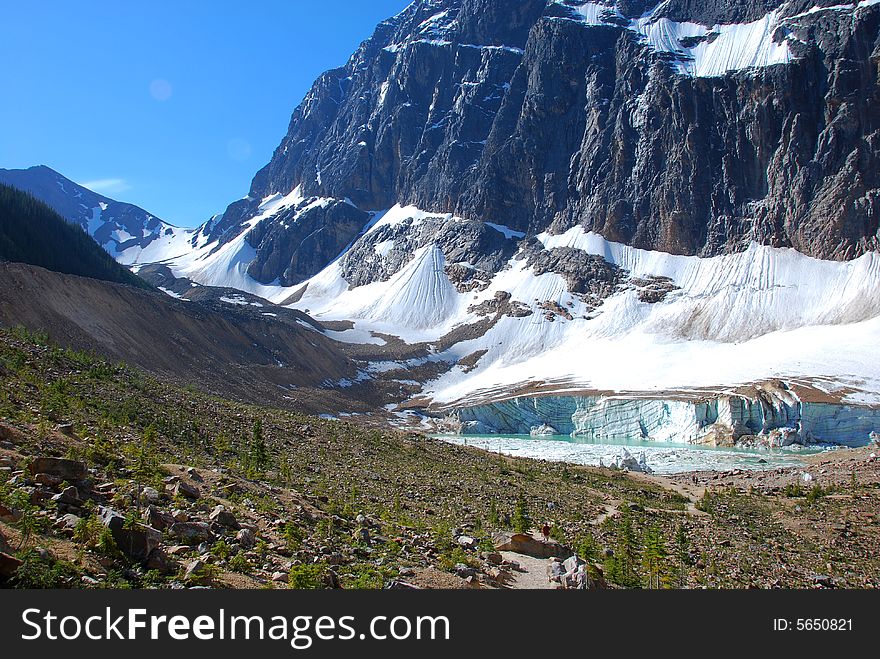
67,523
466,542
195,574
38,495
7,515
69,470
223,517
151,495
192,533
555,570
156,518
69,496
185,489
8,565
245,538
494,558
47,480
523,543
180,515
158,560
135,541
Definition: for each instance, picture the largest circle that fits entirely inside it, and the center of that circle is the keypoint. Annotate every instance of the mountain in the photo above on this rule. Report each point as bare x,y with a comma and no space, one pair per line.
31,232
576,207
128,233
242,351
684,127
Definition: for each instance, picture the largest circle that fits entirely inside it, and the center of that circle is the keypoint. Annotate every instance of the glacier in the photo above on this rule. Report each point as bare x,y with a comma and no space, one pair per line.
771,421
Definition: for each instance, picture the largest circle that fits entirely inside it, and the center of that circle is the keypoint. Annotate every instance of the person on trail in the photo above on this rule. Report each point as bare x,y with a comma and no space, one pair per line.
545,531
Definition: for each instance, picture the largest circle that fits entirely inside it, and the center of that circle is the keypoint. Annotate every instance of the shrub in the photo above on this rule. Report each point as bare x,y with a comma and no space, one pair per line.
307,577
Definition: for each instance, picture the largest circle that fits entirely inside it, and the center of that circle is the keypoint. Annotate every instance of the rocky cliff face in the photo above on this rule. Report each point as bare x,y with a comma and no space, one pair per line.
687,127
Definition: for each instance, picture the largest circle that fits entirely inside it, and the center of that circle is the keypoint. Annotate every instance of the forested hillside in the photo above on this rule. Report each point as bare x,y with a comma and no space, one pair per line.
31,232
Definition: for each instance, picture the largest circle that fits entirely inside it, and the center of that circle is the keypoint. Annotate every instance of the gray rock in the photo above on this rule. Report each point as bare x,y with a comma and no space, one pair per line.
245,538
69,496
67,523
572,563
160,561
522,543
156,518
135,541
466,542
182,488
191,533
151,495
68,470
8,566
223,517
195,574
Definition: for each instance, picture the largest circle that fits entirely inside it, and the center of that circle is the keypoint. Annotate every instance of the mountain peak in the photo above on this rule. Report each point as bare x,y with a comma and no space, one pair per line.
126,232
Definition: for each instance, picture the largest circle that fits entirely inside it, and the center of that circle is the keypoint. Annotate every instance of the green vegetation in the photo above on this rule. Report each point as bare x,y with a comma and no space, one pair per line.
522,522
39,572
307,577
301,483
622,567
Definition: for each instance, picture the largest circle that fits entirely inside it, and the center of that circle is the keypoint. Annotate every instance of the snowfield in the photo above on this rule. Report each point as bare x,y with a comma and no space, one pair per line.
736,319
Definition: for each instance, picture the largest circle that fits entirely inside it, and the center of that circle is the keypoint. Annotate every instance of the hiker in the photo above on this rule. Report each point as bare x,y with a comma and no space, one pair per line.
545,531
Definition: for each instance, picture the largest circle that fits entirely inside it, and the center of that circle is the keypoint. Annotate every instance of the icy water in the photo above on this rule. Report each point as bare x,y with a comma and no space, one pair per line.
662,457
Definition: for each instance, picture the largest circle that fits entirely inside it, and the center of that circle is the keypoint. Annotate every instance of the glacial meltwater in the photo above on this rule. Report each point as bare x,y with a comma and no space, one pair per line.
661,457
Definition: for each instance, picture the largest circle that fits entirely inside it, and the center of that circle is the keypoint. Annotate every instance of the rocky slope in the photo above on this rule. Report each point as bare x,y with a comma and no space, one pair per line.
235,348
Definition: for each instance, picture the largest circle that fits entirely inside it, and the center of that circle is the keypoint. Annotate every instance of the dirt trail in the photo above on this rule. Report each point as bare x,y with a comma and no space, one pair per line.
532,576
693,492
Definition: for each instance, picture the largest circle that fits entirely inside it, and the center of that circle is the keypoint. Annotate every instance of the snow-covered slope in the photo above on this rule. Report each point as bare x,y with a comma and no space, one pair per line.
706,51
721,322
726,321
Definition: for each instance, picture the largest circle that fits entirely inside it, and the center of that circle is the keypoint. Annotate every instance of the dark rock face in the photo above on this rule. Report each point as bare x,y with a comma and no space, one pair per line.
62,468
523,115
137,541
388,248
298,243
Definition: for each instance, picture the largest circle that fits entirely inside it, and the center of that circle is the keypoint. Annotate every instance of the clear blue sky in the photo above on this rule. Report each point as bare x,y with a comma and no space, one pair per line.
170,105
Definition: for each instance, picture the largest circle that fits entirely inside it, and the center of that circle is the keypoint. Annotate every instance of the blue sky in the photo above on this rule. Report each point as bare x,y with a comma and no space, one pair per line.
170,105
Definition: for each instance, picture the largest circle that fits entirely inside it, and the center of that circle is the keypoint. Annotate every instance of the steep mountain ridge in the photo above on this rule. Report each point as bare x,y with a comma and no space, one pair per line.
31,232
128,233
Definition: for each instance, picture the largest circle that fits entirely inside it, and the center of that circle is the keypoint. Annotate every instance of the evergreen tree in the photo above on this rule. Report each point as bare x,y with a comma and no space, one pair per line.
521,520
257,457
623,567
654,556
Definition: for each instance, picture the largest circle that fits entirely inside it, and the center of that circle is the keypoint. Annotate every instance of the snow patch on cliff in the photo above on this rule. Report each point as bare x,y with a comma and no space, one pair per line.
699,50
